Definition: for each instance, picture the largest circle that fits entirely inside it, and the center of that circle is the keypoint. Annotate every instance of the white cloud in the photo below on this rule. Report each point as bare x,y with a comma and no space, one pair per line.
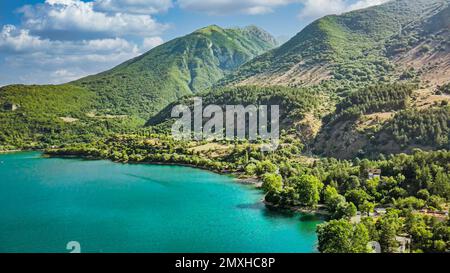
31,59
233,6
63,40
151,42
17,40
78,17
314,9
366,3
133,6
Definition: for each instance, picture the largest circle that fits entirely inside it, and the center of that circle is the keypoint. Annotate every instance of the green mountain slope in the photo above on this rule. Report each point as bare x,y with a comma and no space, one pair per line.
386,119
122,98
183,66
357,47
295,104
42,116
381,69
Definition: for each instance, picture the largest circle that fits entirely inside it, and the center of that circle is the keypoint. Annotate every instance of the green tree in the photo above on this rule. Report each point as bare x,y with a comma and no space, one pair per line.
341,236
345,210
357,197
308,188
272,182
332,198
423,194
388,226
265,167
367,207
250,169
441,185
370,224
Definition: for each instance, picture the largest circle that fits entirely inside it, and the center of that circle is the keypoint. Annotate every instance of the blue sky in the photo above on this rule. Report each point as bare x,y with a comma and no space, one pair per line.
56,41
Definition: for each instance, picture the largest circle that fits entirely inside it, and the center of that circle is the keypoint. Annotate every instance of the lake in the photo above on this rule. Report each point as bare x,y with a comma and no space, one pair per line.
108,207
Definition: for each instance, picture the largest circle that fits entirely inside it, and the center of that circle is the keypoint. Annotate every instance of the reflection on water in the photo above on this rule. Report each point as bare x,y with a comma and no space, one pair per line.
163,183
258,206
311,217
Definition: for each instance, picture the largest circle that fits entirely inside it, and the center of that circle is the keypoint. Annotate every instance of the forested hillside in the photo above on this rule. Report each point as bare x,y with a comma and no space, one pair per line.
295,103
358,84
186,65
44,116
385,119
121,99
399,40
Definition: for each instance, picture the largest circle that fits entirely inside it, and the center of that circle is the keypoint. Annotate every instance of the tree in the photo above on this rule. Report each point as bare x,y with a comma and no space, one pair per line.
410,203
250,169
272,182
341,236
345,210
423,194
372,185
265,167
357,197
436,202
308,188
332,198
360,239
370,224
351,183
388,227
441,185
289,195
421,236
367,207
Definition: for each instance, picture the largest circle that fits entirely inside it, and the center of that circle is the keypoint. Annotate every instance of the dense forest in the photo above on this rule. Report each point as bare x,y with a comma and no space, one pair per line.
372,99
428,127
294,102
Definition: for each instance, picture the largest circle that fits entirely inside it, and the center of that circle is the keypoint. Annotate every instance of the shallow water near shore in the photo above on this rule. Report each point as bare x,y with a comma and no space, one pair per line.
108,207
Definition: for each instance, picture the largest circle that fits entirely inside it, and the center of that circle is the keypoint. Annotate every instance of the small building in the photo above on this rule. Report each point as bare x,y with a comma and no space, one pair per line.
10,106
373,173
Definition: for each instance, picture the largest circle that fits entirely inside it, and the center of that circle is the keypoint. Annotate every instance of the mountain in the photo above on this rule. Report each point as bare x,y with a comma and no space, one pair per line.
186,65
380,76
378,44
122,98
362,83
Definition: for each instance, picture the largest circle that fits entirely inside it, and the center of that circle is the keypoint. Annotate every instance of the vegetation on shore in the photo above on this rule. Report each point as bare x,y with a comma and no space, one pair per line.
413,188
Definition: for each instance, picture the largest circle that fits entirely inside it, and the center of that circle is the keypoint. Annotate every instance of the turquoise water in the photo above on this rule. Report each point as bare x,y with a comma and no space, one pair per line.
109,207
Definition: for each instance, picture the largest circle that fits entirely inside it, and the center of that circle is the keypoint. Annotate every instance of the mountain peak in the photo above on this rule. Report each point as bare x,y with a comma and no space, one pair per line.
180,67
209,29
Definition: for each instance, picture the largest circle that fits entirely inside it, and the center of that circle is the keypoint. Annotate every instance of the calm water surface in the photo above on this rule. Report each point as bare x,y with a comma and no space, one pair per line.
109,207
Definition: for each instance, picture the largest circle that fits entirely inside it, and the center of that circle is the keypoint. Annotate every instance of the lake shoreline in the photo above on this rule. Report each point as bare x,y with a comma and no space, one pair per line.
14,151
250,181
171,209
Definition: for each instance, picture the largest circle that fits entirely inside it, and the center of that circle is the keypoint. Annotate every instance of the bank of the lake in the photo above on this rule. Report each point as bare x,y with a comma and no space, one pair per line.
237,176
108,207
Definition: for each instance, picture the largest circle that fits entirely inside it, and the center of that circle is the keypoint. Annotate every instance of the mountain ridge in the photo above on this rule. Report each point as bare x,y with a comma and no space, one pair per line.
330,47
182,66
